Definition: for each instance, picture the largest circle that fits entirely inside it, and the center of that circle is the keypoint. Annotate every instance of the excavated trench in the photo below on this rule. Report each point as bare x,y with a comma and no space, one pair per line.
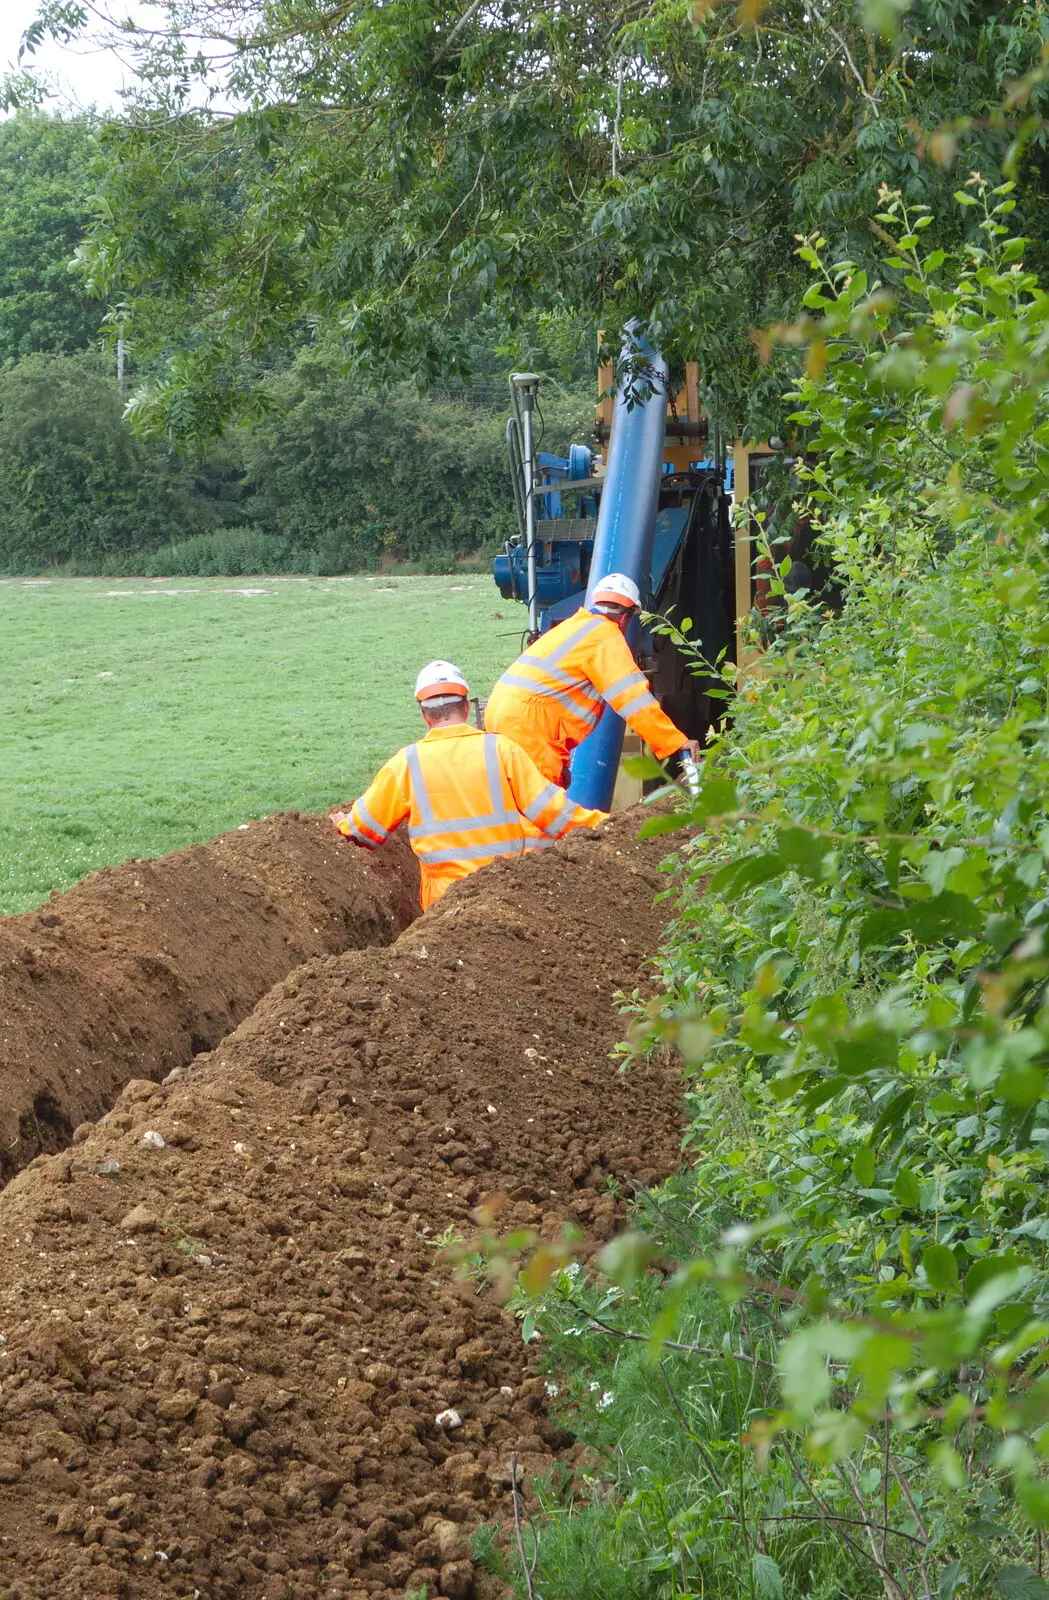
226,1333
142,966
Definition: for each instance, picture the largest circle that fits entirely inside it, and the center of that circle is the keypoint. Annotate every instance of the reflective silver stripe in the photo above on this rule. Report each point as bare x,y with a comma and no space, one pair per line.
471,852
369,821
569,816
422,799
493,767
429,824
632,680
498,819
541,801
638,704
356,833
567,679
542,843
586,713
559,651
546,661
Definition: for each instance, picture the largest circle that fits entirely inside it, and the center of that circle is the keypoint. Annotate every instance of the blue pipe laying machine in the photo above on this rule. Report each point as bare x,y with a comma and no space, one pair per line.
653,501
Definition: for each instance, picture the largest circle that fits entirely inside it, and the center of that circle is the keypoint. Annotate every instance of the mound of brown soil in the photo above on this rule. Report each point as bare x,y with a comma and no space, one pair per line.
225,1355
140,967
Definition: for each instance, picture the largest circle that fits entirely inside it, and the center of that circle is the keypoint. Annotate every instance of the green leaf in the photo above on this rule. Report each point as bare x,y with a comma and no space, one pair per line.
952,1578
822,1091
893,1115
881,928
652,827
863,1167
1021,1083
1033,1495
947,1464
643,766
803,850
946,916
802,1361
768,1580
749,872
1002,932
744,1233
883,16
625,1258
941,1268
987,1268
716,797
1021,1583
907,1189
938,866
868,1049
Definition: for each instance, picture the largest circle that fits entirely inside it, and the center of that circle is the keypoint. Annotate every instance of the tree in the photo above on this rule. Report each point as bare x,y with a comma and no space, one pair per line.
74,479
396,165
47,186
359,478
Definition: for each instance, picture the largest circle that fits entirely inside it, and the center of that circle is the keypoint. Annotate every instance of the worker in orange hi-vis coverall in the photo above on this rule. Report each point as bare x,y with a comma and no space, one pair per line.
468,796
555,693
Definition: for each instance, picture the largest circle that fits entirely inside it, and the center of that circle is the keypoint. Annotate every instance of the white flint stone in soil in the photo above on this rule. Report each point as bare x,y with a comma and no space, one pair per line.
448,1419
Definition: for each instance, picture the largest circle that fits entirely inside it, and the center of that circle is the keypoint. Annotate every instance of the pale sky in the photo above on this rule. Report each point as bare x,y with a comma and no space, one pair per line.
81,76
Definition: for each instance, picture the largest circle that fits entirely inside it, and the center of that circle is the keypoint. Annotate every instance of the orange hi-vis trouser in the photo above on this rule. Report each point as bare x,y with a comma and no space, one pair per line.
468,797
554,694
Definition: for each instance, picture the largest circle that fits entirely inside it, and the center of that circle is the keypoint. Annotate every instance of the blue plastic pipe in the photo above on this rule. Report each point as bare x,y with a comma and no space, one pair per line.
623,543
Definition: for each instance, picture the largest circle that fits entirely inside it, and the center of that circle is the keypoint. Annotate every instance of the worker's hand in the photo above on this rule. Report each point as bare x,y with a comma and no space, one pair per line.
690,748
340,821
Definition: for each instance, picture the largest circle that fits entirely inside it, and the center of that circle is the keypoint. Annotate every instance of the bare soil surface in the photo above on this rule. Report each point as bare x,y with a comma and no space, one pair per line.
223,1355
140,967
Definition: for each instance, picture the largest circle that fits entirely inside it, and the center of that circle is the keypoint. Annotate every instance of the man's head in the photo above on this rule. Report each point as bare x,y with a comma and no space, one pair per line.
617,598
443,694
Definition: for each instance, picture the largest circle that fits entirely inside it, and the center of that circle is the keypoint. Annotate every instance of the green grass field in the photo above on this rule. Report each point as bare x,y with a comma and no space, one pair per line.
136,716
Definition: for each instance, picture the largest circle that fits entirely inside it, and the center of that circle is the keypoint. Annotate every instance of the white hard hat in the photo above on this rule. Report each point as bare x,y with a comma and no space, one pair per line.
619,589
440,678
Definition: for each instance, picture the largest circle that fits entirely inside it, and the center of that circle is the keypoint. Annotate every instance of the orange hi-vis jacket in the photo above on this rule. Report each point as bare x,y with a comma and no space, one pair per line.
554,693
469,797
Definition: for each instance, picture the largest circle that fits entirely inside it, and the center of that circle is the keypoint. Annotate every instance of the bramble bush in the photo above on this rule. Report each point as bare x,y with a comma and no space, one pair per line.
826,1341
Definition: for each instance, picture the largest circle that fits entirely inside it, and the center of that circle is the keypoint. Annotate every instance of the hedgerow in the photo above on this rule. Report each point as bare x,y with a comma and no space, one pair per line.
825,1343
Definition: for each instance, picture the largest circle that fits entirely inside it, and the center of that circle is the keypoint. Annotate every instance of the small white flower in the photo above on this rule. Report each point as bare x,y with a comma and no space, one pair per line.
593,1387
605,1400
552,1389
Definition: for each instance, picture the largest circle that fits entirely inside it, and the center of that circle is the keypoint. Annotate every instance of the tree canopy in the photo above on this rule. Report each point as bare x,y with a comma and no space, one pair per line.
385,170
47,189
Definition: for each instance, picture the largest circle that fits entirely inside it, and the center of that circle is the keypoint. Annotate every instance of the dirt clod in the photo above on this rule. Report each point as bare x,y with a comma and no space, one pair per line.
139,1220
